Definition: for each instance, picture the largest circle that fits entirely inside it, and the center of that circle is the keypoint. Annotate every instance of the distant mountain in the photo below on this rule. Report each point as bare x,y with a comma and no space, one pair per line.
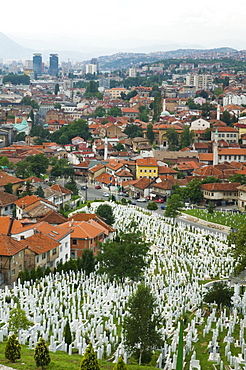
11,50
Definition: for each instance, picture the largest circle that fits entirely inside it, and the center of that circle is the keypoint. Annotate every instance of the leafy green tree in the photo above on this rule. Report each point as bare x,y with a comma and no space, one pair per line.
120,365
219,293
238,178
41,354
211,207
8,188
57,106
89,360
39,131
133,131
76,128
211,180
150,133
16,79
28,101
226,117
57,88
106,212
157,106
193,191
20,136
115,255
39,192
143,113
173,139
174,205
218,91
152,206
71,185
67,335
18,320
88,261
119,147
186,137
38,164
237,242
115,112
99,112
142,323
12,349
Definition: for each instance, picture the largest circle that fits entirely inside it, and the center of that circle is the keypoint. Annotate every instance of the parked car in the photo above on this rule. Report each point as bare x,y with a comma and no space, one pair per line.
135,197
159,201
133,203
83,187
141,200
121,194
105,194
163,207
97,187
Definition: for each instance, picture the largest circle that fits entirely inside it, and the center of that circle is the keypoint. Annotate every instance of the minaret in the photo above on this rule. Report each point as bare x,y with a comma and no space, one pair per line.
105,148
164,105
215,148
218,112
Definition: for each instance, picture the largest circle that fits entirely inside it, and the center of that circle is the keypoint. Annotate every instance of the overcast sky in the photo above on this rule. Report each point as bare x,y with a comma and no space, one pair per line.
125,25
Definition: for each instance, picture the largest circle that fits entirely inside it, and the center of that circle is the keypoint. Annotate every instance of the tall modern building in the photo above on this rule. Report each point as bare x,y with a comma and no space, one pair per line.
37,64
53,65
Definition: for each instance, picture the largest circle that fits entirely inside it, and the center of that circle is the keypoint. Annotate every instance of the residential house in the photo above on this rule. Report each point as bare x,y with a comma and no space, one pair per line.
42,250
11,259
140,143
140,187
33,207
7,203
6,179
220,193
85,235
227,133
95,171
242,197
232,154
146,167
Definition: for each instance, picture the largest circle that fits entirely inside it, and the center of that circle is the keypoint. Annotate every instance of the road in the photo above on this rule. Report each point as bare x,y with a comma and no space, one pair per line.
93,194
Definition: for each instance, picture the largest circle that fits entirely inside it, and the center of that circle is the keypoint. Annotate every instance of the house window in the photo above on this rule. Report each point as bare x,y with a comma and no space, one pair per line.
140,171
20,254
53,251
13,272
66,256
22,237
150,171
37,259
61,248
154,171
74,241
20,268
66,244
43,256
6,208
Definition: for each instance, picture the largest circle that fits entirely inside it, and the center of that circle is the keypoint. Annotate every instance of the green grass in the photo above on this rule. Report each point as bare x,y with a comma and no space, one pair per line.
59,361
234,220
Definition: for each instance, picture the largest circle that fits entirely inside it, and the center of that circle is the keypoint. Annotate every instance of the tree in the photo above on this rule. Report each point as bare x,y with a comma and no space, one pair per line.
99,112
41,354
173,139
226,117
8,188
28,101
211,207
133,131
106,212
20,136
115,112
38,164
238,178
142,323
115,255
57,106
152,206
23,169
18,320
89,360
157,106
120,365
57,88
119,147
237,242
219,293
67,335
39,192
211,180
193,191
174,205
88,261
71,185
150,133
186,137
12,349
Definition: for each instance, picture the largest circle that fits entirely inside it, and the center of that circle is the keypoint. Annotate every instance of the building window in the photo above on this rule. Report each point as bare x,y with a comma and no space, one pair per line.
6,208
53,251
13,272
43,256
61,248
37,259
20,267
20,254
66,244
74,241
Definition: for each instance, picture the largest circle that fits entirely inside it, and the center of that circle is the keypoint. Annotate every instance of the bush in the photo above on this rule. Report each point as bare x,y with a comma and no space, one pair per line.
12,349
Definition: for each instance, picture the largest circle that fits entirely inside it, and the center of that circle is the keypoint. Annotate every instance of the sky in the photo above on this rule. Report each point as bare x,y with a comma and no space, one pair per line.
129,25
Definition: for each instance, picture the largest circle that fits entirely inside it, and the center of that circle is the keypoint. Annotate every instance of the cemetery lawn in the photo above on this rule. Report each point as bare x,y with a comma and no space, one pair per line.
235,220
59,361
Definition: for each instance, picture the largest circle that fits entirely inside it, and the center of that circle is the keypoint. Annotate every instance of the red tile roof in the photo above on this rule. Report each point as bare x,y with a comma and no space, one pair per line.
9,246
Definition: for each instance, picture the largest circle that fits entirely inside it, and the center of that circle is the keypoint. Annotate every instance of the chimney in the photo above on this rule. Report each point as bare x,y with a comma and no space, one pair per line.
11,221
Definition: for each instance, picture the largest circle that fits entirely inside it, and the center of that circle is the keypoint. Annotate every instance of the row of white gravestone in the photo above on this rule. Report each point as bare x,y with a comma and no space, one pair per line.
94,306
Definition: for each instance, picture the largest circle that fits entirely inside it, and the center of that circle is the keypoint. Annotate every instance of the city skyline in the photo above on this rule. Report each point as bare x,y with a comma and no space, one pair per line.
113,26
